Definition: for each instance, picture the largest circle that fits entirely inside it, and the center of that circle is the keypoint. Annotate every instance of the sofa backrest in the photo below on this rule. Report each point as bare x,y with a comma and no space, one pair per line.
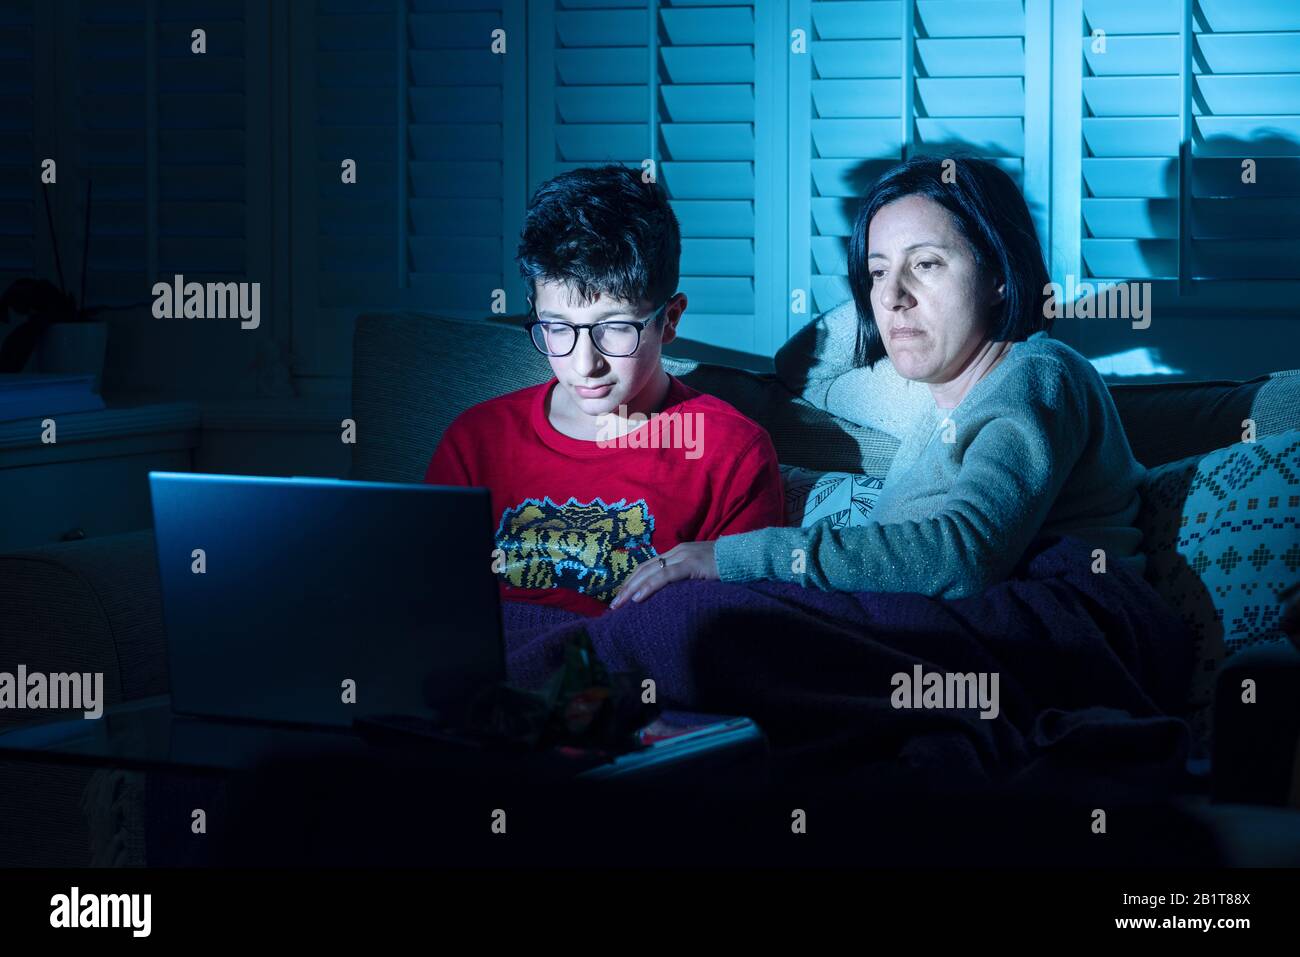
413,374
1166,422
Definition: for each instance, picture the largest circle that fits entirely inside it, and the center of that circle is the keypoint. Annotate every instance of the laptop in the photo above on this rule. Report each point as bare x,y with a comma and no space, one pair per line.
294,607
318,601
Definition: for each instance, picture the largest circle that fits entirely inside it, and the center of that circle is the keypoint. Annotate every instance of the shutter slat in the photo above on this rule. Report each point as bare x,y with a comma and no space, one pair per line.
831,255
702,180
859,139
856,98
201,219
714,64
457,254
708,141
201,111
1133,95
1136,176
722,218
622,65
1125,16
601,104
701,103
1135,218
1261,135
845,59
1248,53
834,217
371,144
703,27
456,216
1253,94
363,31
1221,176
462,292
479,180
1238,259
465,141
709,295
972,57
858,21
971,96
205,74
450,31
374,182
1232,16
717,257
184,254
846,177
212,10
967,18
1246,218
1135,56
1132,136
361,70
359,216
199,147
600,28
198,183
468,104
604,143
1130,258
829,291
452,67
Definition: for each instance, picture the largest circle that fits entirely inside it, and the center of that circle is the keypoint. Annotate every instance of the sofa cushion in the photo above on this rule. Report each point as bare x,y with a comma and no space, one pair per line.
1222,535
843,499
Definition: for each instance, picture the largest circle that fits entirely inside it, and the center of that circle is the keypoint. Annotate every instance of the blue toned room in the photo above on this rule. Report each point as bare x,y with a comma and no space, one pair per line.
923,495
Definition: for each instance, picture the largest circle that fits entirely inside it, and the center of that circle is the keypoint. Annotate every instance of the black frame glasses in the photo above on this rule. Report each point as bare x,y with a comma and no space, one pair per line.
638,324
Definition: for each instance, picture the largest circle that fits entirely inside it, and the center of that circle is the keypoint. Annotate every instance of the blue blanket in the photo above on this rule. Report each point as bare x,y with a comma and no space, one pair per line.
1091,667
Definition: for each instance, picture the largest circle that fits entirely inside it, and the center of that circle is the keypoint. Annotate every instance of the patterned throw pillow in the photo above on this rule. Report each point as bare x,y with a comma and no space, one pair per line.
843,499
1222,536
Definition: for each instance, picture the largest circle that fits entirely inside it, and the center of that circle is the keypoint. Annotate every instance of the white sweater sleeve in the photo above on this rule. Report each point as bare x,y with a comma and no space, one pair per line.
817,365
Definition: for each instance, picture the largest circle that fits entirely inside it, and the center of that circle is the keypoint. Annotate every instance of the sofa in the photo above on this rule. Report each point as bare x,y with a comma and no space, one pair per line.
94,604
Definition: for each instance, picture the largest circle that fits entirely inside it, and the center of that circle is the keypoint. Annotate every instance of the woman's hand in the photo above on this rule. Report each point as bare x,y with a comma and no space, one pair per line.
687,560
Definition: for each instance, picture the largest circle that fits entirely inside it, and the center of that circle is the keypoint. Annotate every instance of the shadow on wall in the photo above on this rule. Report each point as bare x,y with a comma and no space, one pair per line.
1241,230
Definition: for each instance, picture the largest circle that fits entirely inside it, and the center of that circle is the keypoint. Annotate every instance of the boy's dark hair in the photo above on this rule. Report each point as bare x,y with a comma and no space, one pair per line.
602,230
990,213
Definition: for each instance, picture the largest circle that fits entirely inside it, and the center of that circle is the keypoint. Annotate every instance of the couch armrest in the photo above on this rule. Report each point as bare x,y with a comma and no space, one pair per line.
1255,756
92,605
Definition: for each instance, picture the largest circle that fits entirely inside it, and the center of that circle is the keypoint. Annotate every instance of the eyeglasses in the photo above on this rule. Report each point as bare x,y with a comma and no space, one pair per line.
616,339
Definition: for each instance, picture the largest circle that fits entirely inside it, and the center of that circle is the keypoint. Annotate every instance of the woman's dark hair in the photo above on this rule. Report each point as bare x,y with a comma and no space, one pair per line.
990,213
602,230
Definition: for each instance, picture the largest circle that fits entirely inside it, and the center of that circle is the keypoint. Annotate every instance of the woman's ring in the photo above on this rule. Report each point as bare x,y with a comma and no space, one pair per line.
662,563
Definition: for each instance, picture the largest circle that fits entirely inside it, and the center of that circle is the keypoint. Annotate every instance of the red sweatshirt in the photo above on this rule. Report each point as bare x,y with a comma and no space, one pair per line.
575,518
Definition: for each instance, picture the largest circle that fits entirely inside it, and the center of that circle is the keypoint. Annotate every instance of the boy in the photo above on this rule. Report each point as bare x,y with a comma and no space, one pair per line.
613,461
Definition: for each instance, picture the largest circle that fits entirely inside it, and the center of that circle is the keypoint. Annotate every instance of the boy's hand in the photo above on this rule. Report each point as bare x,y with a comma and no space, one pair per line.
687,560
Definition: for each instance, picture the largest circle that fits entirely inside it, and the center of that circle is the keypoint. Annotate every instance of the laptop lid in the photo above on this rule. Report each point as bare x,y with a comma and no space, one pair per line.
316,601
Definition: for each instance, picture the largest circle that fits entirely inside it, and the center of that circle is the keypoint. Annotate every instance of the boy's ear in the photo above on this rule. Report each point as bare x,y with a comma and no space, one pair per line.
673,315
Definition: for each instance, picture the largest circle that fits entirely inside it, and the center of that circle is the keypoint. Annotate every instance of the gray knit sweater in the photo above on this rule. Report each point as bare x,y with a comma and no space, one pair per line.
1034,448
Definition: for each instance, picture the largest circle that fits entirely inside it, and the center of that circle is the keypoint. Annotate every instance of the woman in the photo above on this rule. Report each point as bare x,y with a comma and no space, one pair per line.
1014,435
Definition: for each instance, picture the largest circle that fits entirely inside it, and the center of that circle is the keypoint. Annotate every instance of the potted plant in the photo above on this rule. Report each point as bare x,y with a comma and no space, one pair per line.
62,331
